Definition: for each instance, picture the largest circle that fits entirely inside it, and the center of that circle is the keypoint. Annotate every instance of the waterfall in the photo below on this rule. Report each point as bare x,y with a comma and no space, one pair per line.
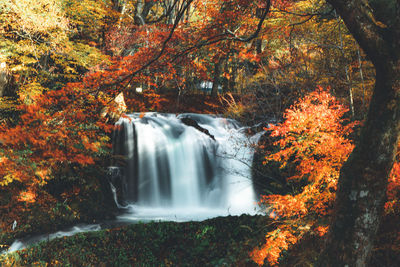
180,168
189,166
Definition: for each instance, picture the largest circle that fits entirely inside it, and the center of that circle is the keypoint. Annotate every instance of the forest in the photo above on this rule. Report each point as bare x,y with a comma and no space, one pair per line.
199,133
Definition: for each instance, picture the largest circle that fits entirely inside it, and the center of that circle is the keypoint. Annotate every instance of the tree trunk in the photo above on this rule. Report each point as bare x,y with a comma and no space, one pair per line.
346,69
216,81
232,79
361,77
142,10
171,15
225,85
118,5
139,19
4,78
361,192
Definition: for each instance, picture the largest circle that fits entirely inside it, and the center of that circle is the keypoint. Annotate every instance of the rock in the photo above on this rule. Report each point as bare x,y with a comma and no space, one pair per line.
115,109
192,123
116,177
269,178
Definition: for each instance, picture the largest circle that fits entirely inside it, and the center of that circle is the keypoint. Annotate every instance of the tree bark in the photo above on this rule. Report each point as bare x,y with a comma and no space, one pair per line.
139,19
7,85
4,79
361,192
118,5
361,77
216,81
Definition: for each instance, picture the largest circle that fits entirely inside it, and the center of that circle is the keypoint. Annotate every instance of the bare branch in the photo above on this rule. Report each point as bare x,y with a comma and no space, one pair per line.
303,14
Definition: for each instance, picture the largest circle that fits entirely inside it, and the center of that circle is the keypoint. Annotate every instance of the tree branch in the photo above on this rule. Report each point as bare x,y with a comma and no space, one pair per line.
212,40
180,14
359,19
166,13
264,13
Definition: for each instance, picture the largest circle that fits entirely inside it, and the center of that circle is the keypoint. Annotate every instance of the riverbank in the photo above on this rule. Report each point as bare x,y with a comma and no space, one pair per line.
222,241
57,205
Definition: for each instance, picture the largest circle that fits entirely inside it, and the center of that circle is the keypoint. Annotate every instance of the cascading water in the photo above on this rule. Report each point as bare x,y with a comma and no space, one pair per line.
167,167
185,167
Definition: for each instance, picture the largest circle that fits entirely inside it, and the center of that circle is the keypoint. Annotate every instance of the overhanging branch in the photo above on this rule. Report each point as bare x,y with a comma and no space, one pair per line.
227,35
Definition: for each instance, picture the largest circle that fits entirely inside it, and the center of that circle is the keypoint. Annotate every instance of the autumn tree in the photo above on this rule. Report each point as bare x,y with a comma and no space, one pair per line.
63,130
304,45
41,42
183,42
314,139
42,52
363,179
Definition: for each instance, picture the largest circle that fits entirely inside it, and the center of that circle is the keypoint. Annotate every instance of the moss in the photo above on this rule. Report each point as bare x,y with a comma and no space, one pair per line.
223,241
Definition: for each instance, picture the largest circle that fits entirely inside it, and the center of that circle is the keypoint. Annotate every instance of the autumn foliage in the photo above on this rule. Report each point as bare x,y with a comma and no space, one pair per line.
393,203
67,60
314,137
63,129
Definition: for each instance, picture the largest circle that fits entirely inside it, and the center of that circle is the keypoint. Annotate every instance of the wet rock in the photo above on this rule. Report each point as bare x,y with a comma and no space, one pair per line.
192,123
267,178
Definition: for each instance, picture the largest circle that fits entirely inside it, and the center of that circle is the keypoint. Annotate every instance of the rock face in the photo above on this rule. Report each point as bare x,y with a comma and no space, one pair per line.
116,176
116,108
267,178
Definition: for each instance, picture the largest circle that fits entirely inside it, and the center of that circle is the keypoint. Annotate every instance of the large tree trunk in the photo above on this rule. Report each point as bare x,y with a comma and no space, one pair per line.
361,192
363,179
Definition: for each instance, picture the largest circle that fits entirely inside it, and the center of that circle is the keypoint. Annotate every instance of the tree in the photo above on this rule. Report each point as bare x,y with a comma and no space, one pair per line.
41,49
362,185
314,140
64,129
180,37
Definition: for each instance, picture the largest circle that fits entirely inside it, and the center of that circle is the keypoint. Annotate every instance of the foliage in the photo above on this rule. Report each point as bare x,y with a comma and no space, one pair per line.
62,129
304,45
69,58
234,109
40,48
315,138
64,201
393,191
36,17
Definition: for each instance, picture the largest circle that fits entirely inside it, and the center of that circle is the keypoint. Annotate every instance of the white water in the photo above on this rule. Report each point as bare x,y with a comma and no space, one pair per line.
179,173
23,243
